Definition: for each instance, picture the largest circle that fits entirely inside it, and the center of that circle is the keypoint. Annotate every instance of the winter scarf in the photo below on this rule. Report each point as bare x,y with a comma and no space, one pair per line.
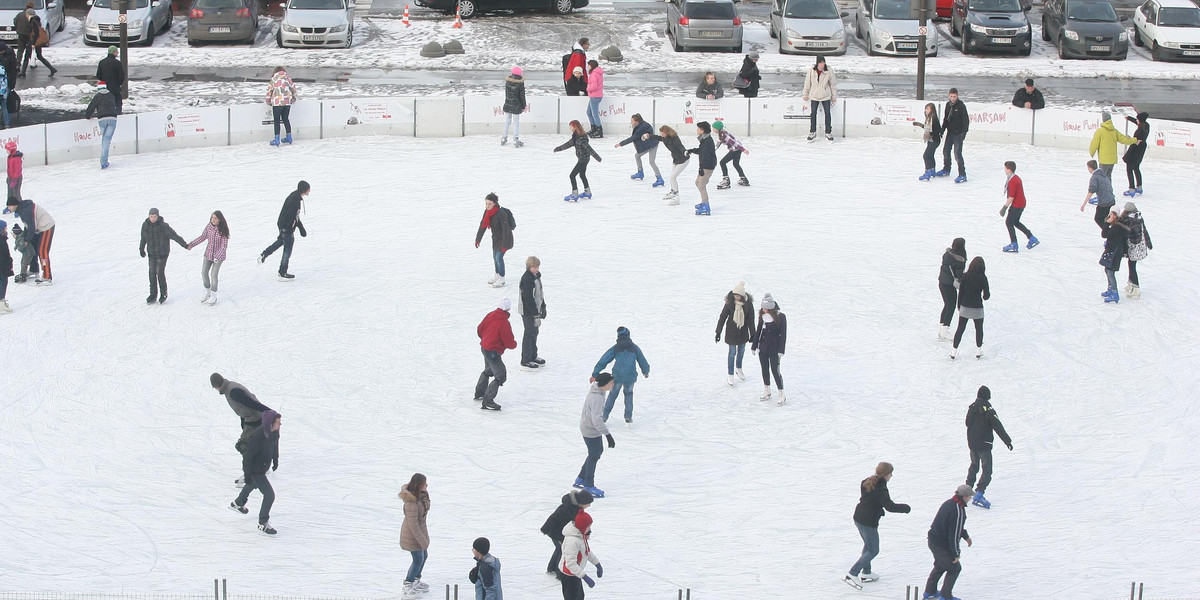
487,216
739,317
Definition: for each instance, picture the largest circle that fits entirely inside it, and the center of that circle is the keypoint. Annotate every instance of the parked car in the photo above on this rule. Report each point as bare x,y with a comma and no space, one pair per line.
944,9
992,25
713,24
808,27
222,21
1084,29
146,19
51,14
317,24
1170,27
471,8
887,27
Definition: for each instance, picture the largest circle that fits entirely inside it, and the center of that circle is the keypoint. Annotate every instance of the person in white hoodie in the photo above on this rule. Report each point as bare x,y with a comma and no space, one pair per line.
820,88
576,553
592,426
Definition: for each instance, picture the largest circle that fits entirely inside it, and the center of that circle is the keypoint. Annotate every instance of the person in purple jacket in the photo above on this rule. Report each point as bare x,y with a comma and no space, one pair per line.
735,155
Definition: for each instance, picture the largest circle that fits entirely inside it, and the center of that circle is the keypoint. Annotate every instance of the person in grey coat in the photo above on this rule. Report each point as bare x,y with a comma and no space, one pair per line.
156,246
592,426
244,404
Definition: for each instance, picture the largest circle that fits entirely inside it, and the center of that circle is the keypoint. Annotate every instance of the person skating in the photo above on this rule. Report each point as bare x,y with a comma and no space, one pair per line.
414,533
973,289
1135,153
1139,246
495,336
281,95
486,573
501,223
679,159
748,78
532,307
954,260
709,88
576,60
1014,206
734,154
629,359
27,250
514,105
16,164
981,422
595,94
110,73
1104,143
948,527
1029,97
38,233
707,151
245,405
1116,240
643,144
820,90
593,427
572,503
583,153
288,223
770,341
105,106
873,500
1099,192
931,133
216,233
6,269
955,123
737,320
262,453
156,248
576,553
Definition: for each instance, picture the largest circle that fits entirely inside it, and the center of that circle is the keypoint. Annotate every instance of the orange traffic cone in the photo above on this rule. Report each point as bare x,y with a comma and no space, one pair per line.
457,18
405,20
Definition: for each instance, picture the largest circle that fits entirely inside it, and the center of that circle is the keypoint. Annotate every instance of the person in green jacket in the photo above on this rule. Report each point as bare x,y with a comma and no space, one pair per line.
1105,141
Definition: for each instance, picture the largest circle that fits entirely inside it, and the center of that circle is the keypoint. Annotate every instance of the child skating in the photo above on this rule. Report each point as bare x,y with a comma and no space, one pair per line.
679,159
735,154
644,146
583,154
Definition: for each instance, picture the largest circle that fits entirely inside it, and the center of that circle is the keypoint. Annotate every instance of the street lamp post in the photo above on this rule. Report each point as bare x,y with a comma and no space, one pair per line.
123,20
921,10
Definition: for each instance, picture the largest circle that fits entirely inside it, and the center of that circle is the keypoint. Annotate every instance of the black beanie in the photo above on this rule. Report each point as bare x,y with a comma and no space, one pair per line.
704,126
216,380
481,545
603,379
984,393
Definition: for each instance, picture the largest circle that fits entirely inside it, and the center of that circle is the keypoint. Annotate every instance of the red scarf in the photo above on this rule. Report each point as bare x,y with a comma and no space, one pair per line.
487,216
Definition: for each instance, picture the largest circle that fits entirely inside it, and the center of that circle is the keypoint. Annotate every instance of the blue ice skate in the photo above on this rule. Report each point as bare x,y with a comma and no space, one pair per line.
639,176
1139,191
595,492
275,142
931,597
1033,241
578,483
287,139
658,181
980,501
572,197
927,175
587,193
1105,293
1129,192
703,209
961,178
942,173
1010,248
1113,296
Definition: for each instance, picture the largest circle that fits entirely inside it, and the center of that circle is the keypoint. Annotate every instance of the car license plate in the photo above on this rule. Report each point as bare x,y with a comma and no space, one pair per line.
906,46
8,36
815,44
313,38
218,30
1099,48
1001,40
712,34
1191,52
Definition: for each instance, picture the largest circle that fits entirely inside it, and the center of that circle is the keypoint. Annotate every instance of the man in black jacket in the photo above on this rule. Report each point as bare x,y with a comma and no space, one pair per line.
288,223
156,246
572,502
104,107
532,307
1029,97
262,452
947,529
955,123
112,73
244,404
981,422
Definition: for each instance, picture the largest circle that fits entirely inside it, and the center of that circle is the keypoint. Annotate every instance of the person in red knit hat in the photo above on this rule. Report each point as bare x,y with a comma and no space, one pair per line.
576,553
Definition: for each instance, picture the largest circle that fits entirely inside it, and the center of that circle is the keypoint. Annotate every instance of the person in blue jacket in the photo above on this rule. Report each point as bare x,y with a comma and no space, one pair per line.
643,145
486,573
947,529
626,353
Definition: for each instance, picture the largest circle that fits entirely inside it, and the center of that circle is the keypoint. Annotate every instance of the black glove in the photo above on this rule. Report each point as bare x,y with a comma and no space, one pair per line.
16,229
474,574
300,226
904,508
142,252
274,464
1009,444
611,442
1003,209
718,337
240,446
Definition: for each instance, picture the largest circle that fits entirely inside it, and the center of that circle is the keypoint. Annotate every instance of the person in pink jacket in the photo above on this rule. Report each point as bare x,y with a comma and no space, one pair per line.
15,164
281,95
216,233
595,92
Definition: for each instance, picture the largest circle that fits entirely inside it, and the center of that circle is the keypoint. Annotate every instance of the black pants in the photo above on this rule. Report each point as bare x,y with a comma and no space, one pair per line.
943,564
736,157
24,50
812,116
158,275
552,566
259,482
930,155
493,370
1101,215
955,142
285,240
1013,221
529,350
962,326
770,366
1133,278
35,50
949,302
980,459
1133,170
280,113
580,170
595,448
572,587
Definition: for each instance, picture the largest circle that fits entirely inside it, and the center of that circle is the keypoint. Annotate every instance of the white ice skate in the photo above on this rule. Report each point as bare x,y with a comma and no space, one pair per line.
1134,292
495,277
740,374
204,300
868,577
979,352
944,333
852,581
730,380
212,299
5,308
781,399
766,395
954,353
499,283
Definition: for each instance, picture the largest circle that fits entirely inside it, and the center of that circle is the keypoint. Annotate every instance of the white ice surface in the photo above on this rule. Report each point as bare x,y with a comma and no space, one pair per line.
119,460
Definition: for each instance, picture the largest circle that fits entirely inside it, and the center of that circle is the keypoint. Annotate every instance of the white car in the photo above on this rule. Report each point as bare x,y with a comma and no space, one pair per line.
1170,27
808,27
317,24
146,19
51,14
887,27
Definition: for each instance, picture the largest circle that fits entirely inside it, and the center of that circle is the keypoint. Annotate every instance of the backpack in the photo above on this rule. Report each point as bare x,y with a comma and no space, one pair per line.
566,60
512,222
14,104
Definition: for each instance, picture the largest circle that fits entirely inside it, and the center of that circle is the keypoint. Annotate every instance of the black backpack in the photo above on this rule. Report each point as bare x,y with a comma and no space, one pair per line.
14,104
566,61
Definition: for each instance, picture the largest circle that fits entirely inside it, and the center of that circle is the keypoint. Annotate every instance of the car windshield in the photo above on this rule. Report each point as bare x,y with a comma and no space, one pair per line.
1179,17
219,4
995,5
892,9
316,5
811,9
115,5
1098,12
20,4
709,10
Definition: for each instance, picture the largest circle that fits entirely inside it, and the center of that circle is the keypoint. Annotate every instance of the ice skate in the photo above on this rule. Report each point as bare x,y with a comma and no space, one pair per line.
702,209
503,141
5,308
628,420
240,481
724,185
204,300
743,181
1133,292
266,528
286,277
595,491
978,351
489,405
578,483
540,361
980,501
852,581
781,399
943,173
572,197
212,299
812,135
587,193
517,143
529,366
671,194
495,276
261,259
961,178
829,137
151,298
766,395
242,509
162,299
740,374
729,380
1113,297
931,597
420,586
1129,192
944,333
658,181
1010,248
287,139
43,282
1139,191
275,142
1033,241
954,353
410,592
927,175
638,176
868,577
499,283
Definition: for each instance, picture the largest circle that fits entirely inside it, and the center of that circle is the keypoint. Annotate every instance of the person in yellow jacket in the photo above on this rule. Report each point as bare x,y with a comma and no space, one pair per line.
1105,141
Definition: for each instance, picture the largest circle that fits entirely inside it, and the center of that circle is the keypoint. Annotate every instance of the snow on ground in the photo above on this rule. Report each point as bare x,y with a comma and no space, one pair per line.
120,458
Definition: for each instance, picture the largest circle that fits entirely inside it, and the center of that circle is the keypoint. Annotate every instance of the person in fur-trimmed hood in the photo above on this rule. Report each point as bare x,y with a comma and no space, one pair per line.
414,533
572,502
514,105
737,320
577,552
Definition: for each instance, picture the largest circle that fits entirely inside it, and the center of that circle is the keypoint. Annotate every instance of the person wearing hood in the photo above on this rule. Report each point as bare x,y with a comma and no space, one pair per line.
981,422
576,553
532,307
414,533
1116,242
6,269
955,123
262,452
583,155
486,573
514,105
1139,245
288,223
245,405
37,236
156,248
4,89
973,289
643,145
105,107
1029,97
679,159
595,94
25,33
16,164
770,341
707,151
1104,143
111,74
948,527
281,95
495,336
873,500
737,320
629,359
709,88
572,503
577,82
1136,152
1099,192
574,63
954,260
820,88
749,75
500,222
734,154
592,426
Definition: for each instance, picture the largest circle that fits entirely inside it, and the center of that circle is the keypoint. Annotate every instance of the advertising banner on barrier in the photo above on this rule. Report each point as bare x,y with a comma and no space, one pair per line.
1003,123
254,122
790,116
183,128
614,112
884,118
485,114
30,140
683,113
1171,139
367,116
74,140
1061,128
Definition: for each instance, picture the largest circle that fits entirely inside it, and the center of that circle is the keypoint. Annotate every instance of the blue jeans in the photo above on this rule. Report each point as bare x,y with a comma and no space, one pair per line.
593,111
735,356
108,126
285,240
498,258
612,399
418,564
595,448
870,537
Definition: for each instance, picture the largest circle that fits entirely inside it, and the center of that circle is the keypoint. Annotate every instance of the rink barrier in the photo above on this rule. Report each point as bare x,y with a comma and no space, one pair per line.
458,116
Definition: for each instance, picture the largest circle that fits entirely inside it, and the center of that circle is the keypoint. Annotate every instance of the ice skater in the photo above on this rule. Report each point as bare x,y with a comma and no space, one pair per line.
629,359
156,248
1014,205
1116,238
947,529
931,134
583,153
501,223
1100,193
245,405
577,552
514,105
707,150
495,336
6,269
954,260
27,251
216,234
573,502
288,223
486,572
955,123
262,452
414,534
281,95
532,307
1104,143
645,145
38,233
1139,245
737,319
873,500
981,422
1135,153
972,291
592,426
820,90
16,163
736,150
770,341
105,106
679,159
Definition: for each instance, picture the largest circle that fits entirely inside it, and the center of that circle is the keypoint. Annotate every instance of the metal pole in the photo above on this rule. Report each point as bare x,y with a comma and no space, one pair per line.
923,22
1140,590
689,594
216,591
224,590
123,18
1132,586
456,591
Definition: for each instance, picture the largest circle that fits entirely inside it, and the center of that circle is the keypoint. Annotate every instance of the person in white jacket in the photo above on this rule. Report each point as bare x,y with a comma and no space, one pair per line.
820,88
592,426
576,554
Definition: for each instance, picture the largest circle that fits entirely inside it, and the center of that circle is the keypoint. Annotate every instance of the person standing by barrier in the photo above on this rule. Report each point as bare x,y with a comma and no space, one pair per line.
1029,97
1104,199
932,135
576,60
41,39
955,123
820,89
595,94
748,78
156,248
709,88
105,106
1104,143
679,159
216,233
287,223
500,222
643,145
873,500
707,150
281,95
111,74
948,527
1136,152
514,105
1014,205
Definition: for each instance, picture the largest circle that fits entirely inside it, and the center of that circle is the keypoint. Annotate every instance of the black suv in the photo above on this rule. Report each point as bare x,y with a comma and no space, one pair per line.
992,25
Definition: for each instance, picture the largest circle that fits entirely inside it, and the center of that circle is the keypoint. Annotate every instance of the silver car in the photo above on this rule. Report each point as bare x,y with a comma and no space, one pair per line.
146,19
887,27
317,24
708,24
51,13
808,27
